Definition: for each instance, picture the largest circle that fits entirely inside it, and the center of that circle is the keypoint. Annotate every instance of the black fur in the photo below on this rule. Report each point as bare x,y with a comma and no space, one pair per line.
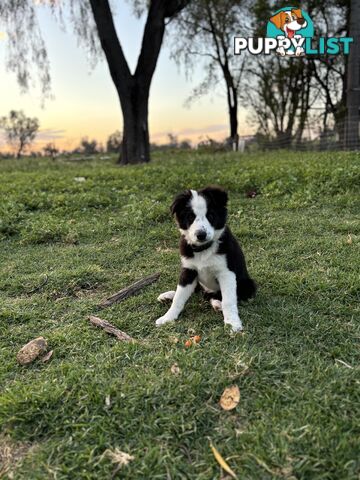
235,259
187,276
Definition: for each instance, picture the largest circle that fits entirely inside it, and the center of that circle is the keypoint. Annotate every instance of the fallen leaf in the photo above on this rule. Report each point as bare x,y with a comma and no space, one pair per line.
173,339
29,352
230,398
197,339
222,462
108,401
120,458
188,343
175,370
47,357
349,239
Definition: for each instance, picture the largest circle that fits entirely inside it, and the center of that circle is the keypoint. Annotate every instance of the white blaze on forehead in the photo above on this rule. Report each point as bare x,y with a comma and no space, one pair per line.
198,204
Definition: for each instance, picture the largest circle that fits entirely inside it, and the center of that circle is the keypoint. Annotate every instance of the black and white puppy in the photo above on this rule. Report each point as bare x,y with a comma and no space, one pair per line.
210,256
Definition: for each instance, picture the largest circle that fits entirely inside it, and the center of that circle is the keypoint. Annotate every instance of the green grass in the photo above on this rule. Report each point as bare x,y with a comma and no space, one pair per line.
299,412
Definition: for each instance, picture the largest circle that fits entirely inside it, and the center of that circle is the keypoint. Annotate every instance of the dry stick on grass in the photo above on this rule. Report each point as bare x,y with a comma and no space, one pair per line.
35,289
128,291
98,322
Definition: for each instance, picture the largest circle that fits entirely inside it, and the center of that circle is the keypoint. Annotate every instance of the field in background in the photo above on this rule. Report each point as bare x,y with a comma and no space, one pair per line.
74,232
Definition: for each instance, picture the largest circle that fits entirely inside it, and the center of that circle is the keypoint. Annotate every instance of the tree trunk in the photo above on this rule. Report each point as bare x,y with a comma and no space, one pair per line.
353,79
133,89
135,145
232,106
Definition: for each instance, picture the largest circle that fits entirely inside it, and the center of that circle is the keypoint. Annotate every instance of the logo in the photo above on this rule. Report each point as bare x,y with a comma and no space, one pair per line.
290,32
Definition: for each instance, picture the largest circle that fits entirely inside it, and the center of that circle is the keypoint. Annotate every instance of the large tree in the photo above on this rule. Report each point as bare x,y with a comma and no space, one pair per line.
205,30
26,46
20,130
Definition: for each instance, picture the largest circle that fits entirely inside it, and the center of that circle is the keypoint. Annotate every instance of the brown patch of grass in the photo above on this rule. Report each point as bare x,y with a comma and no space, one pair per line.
11,455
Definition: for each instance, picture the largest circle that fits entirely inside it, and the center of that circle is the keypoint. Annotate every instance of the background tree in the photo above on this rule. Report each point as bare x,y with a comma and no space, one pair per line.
93,21
114,142
50,150
89,147
205,29
20,130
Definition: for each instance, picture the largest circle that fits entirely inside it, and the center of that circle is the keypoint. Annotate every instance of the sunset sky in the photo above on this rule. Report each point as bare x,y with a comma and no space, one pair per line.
85,101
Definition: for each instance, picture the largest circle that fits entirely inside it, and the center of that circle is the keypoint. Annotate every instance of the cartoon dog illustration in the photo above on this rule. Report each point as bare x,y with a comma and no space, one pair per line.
289,22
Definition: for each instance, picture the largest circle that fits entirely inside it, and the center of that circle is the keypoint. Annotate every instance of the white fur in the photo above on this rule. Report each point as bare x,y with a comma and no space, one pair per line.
181,296
199,207
166,296
216,304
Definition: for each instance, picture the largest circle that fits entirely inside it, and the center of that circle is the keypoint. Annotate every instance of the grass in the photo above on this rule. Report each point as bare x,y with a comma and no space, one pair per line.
297,365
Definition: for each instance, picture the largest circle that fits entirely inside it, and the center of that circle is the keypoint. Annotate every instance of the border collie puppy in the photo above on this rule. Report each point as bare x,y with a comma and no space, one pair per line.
210,257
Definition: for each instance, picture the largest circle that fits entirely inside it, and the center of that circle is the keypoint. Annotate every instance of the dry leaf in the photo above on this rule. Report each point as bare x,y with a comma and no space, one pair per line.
175,370
120,458
230,398
29,352
349,239
222,462
196,339
173,339
108,401
47,357
188,343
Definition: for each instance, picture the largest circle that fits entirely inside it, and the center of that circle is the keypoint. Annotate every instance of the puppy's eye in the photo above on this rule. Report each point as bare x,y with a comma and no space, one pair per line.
190,217
286,20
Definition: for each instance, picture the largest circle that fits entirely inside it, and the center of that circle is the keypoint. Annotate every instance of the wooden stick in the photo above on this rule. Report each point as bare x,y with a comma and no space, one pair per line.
128,291
98,322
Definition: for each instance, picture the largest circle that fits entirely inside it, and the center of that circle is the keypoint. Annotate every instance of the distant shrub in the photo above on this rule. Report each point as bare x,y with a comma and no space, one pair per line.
114,142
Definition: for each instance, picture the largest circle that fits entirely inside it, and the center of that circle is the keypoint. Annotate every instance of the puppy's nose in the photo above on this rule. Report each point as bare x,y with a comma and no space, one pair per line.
200,235
301,21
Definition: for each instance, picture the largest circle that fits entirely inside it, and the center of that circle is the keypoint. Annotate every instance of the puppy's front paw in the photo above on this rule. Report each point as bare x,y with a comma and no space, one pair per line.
164,319
235,324
166,296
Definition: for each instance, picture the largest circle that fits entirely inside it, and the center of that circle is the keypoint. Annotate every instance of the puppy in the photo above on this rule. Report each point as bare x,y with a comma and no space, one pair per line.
210,257
289,22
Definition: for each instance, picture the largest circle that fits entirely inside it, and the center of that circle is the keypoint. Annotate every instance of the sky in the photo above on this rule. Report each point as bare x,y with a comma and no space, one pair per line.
85,102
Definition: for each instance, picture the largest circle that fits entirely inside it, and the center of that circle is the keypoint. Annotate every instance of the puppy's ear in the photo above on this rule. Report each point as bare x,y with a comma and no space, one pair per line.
297,12
217,195
278,20
180,202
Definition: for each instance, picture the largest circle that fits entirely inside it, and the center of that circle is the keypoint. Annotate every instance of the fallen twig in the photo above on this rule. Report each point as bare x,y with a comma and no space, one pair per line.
35,289
128,291
98,322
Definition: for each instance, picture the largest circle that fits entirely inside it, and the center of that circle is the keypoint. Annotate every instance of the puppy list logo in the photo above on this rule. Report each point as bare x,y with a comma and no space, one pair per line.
290,32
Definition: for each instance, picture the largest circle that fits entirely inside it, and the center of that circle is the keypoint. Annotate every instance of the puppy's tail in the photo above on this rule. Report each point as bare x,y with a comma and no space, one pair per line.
246,288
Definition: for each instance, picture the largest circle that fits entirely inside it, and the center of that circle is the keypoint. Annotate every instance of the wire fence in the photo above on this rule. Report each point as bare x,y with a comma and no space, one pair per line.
343,137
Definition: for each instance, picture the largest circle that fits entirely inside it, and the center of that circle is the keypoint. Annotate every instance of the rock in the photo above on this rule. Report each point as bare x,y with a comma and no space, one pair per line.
31,350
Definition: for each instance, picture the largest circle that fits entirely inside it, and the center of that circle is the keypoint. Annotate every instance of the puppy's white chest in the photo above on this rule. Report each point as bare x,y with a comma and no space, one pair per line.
208,265
207,279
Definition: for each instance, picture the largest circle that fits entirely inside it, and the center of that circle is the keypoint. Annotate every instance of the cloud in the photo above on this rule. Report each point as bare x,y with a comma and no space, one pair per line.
193,131
49,134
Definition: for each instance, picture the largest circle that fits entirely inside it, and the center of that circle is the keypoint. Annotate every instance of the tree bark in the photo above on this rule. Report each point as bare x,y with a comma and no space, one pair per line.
353,79
133,89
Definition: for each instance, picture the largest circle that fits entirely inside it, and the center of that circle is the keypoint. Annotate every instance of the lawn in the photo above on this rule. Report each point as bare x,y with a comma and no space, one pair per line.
74,232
